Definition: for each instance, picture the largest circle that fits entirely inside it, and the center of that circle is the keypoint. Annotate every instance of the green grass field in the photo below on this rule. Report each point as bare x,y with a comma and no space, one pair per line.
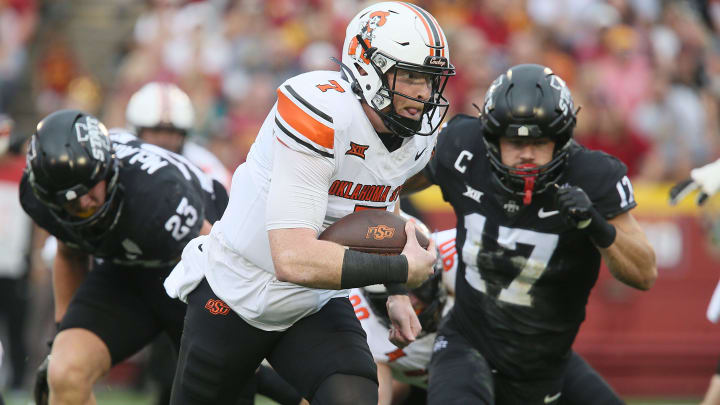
126,397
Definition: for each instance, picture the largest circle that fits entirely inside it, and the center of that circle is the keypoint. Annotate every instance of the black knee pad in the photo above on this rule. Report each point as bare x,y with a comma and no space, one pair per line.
344,389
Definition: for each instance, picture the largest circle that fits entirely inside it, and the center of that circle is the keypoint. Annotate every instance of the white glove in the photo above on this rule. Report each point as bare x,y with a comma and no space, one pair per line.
706,178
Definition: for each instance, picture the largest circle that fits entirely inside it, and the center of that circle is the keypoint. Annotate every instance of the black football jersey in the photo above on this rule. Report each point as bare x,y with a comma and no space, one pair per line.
164,199
525,276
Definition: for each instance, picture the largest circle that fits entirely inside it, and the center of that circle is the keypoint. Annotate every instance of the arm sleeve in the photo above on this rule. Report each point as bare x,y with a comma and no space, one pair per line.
298,193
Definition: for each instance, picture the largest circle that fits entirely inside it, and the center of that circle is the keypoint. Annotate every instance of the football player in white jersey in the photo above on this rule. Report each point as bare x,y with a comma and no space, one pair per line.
162,114
262,285
706,180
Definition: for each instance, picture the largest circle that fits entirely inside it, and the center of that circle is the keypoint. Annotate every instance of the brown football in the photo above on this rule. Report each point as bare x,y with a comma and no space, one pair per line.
371,231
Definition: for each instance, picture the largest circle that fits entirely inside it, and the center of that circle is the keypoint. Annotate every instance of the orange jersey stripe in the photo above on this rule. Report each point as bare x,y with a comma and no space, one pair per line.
427,27
304,123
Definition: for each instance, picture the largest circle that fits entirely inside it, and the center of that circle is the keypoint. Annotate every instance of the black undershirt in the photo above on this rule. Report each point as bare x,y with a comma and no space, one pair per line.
391,141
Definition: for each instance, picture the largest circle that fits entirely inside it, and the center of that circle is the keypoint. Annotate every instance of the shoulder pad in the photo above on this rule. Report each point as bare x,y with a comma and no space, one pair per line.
603,177
462,132
309,109
121,135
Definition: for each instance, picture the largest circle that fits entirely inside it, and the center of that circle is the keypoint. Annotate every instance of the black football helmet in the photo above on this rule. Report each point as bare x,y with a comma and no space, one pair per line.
68,155
528,101
430,294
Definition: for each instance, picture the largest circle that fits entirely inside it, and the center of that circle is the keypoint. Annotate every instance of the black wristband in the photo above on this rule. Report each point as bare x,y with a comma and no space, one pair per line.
601,231
396,289
360,269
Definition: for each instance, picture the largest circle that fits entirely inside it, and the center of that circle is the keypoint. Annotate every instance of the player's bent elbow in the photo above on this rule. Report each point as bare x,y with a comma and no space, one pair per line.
285,266
650,273
649,280
644,279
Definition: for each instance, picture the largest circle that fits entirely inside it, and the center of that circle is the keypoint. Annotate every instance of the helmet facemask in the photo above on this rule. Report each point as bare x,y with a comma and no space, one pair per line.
435,69
526,180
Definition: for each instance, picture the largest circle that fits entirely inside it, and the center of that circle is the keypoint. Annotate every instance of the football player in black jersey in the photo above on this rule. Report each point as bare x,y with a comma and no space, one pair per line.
125,209
536,212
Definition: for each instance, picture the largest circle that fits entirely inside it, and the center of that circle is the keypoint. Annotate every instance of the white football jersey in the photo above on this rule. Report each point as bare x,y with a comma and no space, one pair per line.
316,114
207,162
408,364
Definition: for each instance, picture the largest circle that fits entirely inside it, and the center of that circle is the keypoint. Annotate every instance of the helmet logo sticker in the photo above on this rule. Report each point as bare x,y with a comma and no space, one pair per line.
565,102
93,131
375,19
489,103
70,195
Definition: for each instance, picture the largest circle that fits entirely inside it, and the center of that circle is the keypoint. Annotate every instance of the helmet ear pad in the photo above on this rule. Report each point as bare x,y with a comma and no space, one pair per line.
528,101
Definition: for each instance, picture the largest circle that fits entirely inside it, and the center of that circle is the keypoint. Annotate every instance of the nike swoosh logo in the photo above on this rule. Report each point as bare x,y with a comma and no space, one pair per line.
402,43
544,214
420,153
553,398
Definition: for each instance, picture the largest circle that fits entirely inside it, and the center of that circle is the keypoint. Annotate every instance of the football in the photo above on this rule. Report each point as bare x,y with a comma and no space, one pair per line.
372,231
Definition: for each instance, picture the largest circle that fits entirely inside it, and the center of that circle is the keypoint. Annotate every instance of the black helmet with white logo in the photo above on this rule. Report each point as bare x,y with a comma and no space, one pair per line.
528,101
68,155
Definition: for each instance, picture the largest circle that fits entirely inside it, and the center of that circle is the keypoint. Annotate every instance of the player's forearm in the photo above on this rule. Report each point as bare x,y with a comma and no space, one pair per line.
631,260
69,270
301,259
385,383
307,262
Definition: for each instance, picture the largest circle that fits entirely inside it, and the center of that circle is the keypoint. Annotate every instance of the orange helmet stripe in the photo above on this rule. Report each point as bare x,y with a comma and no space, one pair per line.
432,28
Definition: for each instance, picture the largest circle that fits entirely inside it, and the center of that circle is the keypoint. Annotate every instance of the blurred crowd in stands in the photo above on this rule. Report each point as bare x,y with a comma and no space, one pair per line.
645,72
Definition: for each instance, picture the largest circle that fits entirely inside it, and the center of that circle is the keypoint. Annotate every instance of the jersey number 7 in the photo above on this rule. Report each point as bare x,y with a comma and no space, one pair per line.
531,269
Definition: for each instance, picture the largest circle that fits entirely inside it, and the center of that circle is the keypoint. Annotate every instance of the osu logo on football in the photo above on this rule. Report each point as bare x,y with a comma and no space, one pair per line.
380,232
217,307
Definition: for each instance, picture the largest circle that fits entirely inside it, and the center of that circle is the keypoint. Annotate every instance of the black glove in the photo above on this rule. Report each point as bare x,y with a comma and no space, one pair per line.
41,391
577,211
575,206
